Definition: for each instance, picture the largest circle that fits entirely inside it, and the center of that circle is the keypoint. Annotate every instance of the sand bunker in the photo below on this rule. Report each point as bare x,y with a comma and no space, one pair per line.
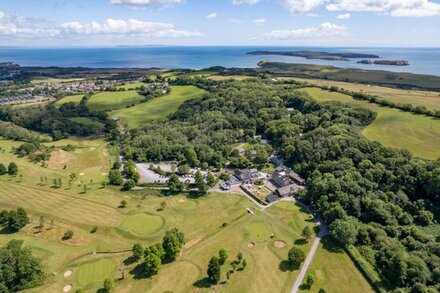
280,244
67,288
251,244
67,273
181,200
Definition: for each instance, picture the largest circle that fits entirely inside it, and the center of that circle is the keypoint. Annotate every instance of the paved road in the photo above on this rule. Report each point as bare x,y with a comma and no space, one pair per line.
323,231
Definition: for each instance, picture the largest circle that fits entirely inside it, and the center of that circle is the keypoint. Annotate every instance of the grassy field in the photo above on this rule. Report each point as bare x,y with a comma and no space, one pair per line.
417,133
73,98
227,77
55,80
210,223
106,101
157,108
334,271
430,100
133,86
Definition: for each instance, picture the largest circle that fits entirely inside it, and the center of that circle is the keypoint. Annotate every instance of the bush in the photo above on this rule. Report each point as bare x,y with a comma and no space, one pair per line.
128,185
68,235
296,256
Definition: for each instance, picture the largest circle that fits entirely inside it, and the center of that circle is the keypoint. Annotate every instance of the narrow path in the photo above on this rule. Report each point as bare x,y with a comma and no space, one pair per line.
323,231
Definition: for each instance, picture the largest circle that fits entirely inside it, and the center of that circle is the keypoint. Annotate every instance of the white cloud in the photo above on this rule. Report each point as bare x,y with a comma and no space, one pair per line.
301,6
396,8
211,16
250,2
324,30
126,27
260,21
145,3
344,16
25,27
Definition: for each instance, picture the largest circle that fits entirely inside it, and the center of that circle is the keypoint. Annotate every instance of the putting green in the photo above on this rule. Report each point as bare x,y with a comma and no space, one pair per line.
258,231
142,224
95,272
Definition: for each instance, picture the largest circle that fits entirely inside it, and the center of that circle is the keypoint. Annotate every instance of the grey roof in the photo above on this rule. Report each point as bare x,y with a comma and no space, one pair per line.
272,197
287,190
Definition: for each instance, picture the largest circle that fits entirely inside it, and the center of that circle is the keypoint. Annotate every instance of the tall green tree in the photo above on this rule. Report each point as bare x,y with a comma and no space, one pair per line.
214,270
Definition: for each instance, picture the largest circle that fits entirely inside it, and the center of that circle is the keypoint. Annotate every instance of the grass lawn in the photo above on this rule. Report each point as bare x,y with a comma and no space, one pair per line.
334,271
157,108
92,272
73,98
395,128
142,224
106,101
430,100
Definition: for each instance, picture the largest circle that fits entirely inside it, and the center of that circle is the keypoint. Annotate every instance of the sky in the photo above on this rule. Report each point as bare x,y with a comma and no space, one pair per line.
345,23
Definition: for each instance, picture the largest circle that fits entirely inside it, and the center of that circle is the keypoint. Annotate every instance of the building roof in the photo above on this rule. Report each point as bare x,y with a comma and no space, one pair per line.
287,190
272,197
295,176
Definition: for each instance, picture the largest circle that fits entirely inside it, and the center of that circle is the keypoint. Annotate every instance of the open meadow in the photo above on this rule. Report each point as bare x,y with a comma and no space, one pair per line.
429,99
157,108
395,128
106,101
67,99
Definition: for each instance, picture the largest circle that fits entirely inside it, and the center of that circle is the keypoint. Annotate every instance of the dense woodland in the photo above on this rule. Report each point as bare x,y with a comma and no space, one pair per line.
376,198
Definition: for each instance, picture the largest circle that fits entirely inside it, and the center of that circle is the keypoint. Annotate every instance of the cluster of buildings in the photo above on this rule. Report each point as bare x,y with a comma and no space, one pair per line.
286,181
44,91
283,182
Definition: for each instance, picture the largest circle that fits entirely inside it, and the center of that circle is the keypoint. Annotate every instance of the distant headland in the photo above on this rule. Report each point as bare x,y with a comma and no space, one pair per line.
385,62
316,55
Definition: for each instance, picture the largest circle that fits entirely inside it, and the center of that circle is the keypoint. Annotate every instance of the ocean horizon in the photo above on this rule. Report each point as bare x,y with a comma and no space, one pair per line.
422,60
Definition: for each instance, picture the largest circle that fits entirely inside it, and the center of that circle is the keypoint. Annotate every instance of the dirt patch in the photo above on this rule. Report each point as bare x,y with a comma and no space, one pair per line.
104,174
193,242
59,159
67,288
251,245
67,273
280,244
55,232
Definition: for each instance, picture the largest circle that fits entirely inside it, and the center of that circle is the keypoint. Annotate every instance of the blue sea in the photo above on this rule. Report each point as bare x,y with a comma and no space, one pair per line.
423,61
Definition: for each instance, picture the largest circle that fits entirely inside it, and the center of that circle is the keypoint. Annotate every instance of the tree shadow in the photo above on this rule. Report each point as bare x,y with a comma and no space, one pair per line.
129,260
138,272
304,287
288,266
6,230
301,241
331,246
202,283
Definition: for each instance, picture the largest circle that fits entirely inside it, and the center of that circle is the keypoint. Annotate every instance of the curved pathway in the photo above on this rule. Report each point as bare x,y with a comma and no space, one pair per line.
323,231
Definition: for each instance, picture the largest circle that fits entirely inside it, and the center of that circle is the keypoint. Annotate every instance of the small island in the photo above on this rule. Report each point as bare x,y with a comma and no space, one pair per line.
385,62
316,55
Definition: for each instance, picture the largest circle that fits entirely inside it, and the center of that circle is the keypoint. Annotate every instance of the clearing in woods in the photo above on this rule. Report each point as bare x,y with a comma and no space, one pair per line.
157,108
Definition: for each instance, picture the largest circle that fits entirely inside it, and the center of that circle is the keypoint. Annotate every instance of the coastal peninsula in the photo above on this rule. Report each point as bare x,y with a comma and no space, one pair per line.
385,62
316,55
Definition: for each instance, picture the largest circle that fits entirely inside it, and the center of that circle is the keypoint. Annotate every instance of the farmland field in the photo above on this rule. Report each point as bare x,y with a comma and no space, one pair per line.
73,98
417,133
157,108
133,86
106,101
430,100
